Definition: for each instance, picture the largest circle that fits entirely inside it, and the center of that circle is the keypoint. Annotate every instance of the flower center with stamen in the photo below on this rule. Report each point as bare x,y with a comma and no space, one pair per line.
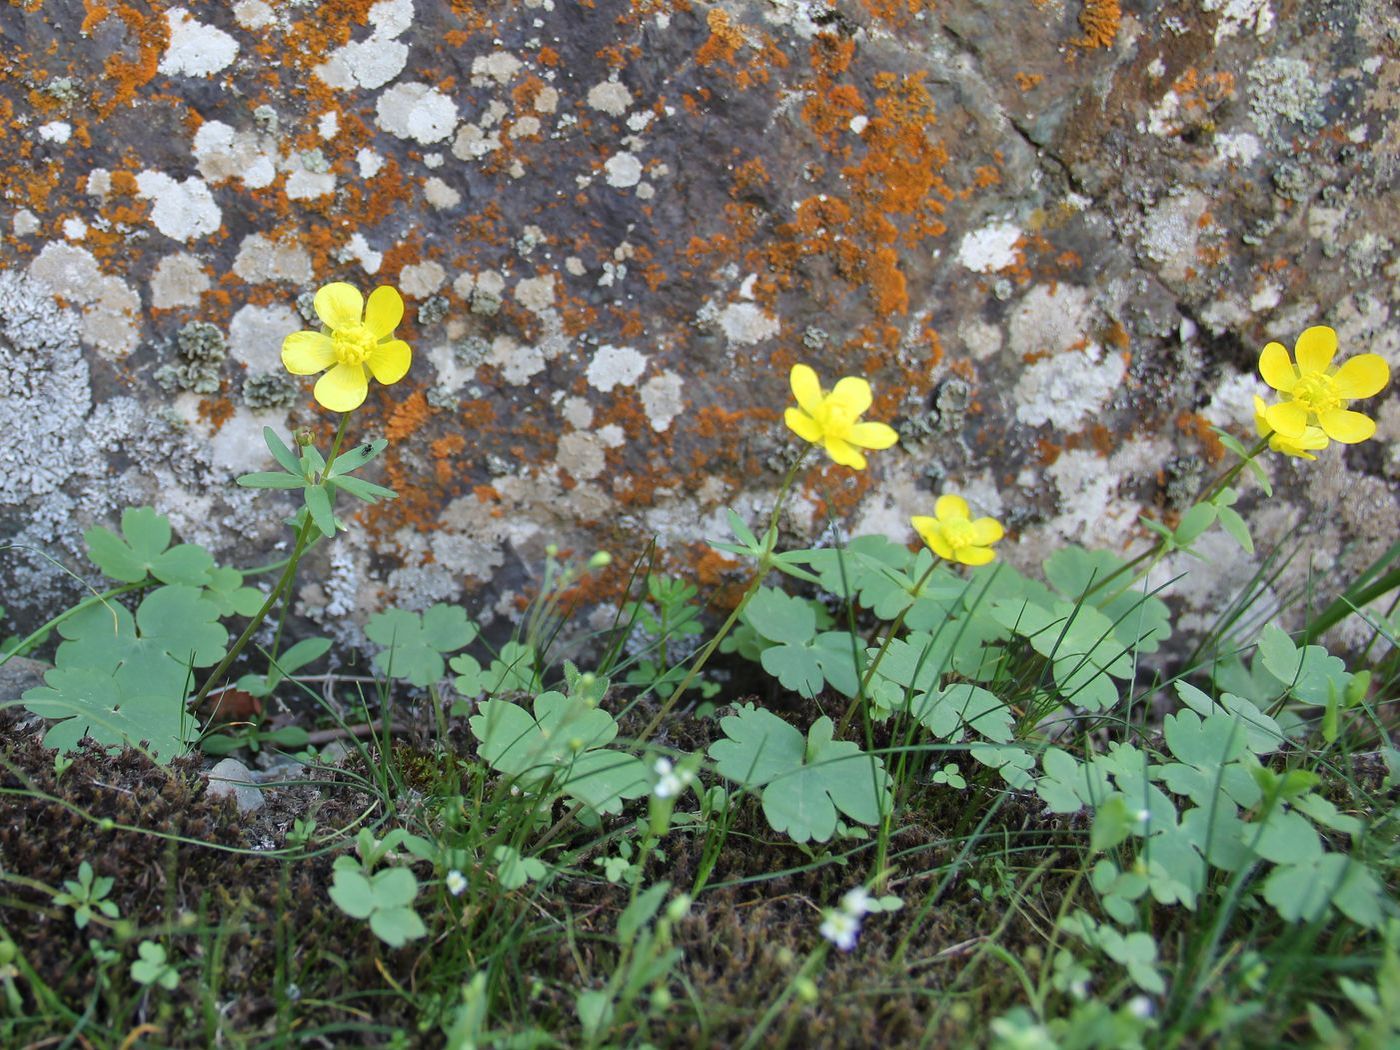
958,534
353,344
1317,391
834,420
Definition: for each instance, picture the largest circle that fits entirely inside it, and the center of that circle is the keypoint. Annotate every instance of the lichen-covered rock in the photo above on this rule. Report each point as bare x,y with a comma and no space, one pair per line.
1052,233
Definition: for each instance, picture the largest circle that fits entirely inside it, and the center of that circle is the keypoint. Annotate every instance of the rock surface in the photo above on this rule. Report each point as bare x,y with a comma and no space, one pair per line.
1053,234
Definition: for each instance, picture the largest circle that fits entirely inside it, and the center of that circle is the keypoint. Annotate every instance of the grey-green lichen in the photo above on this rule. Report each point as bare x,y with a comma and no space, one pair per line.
202,351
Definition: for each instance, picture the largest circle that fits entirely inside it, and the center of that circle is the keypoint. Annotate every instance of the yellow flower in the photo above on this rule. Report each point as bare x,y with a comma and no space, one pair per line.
1318,394
357,339
1302,447
952,534
833,420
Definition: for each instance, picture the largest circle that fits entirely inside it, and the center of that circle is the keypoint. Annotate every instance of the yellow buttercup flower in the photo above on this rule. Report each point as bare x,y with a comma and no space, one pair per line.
952,534
1317,394
833,420
356,341
1302,447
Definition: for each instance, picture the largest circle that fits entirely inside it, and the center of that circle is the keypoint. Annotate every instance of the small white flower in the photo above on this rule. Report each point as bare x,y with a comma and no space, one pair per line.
841,928
1140,1006
456,882
1143,816
670,781
857,902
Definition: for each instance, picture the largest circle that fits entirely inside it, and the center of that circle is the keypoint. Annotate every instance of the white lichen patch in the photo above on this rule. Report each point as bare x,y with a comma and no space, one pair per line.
1064,390
255,335
260,260
577,412
305,182
517,363
328,125
421,280
610,97
195,49
661,399
1237,147
25,223
416,111
373,62
1092,510
1171,232
439,194
1049,318
991,248
253,14
55,131
536,294
982,338
581,454
1232,405
110,307
1240,15
358,248
74,229
615,366
182,210
178,280
368,163
499,68
44,390
221,153
746,324
624,170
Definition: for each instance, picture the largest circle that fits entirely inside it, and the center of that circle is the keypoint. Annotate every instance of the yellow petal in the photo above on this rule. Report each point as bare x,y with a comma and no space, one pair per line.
339,305
1276,368
807,389
852,394
1346,427
1315,349
1288,418
306,353
975,555
383,312
986,531
343,388
951,508
845,453
389,361
932,533
1261,425
873,435
803,425
1363,376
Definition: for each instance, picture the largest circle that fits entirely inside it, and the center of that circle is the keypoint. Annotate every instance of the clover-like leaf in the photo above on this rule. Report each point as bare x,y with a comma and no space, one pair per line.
512,671
1307,672
1300,892
141,551
415,644
945,712
561,745
803,783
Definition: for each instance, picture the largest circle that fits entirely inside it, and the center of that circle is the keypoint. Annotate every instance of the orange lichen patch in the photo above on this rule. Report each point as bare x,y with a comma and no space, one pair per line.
408,416
896,12
725,39
1099,20
444,449
147,34
1199,427
310,40
215,411
1028,81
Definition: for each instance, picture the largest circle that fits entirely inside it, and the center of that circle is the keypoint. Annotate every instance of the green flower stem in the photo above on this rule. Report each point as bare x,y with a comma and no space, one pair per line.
1159,549
765,564
283,584
884,648
34,635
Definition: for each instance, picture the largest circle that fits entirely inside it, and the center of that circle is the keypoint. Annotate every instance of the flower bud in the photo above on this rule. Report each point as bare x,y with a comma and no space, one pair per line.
600,560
